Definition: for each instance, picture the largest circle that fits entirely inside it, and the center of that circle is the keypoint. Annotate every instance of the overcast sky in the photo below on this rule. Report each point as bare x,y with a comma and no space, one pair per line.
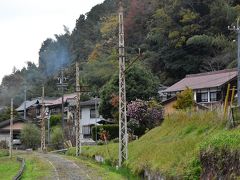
25,24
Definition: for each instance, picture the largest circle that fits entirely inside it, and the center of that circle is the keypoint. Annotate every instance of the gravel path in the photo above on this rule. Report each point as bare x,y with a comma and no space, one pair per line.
65,169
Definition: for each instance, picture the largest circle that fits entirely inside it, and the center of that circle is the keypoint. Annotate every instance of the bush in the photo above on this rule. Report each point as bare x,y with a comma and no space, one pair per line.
55,120
116,140
100,143
147,114
135,128
30,136
185,99
220,155
57,137
113,131
3,145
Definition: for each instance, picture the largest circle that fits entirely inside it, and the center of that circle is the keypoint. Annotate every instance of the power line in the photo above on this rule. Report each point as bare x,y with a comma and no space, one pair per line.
135,60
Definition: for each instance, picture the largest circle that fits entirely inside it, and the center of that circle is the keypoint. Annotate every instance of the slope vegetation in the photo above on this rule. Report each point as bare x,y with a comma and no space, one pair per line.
173,149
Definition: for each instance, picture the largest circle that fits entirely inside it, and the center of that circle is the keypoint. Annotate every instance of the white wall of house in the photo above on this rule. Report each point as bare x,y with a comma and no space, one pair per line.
86,116
195,95
87,120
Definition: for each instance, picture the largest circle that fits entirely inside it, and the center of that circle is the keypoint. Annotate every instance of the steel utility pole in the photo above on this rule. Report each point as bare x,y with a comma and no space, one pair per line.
62,85
123,136
237,29
11,130
78,115
43,143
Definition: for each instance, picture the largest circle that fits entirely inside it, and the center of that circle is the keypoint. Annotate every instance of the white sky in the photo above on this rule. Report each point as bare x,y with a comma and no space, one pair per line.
25,24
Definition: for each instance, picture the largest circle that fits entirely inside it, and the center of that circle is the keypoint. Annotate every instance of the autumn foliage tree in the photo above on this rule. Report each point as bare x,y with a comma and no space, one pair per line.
140,84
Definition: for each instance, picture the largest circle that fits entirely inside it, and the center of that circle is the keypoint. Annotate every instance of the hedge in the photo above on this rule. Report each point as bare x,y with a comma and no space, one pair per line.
113,131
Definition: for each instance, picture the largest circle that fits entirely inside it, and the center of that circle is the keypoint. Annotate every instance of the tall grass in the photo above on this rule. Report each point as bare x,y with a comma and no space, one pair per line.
172,148
4,152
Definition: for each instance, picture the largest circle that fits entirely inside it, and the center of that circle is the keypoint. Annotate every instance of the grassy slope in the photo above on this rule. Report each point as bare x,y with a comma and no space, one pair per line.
8,168
171,148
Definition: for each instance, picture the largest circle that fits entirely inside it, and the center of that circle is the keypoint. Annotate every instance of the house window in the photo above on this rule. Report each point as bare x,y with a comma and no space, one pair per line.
86,130
38,111
202,97
93,113
215,96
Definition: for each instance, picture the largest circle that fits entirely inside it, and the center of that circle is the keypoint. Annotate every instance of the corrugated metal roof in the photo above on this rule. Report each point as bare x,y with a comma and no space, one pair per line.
59,100
204,80
28,104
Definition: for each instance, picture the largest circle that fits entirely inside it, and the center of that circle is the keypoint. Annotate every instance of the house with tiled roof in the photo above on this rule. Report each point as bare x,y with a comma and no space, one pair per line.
18,124
209,88
53,106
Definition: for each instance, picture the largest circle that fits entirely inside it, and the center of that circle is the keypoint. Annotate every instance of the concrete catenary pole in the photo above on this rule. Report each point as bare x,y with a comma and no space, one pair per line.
49,116
123,136
237,29
78,111
11,130
96,116
62,86
62,100
25,103
43,143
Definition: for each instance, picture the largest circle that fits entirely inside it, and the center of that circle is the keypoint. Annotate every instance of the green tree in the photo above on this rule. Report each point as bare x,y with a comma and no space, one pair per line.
30,136
140,84
185,99
57,137
5,114
55,120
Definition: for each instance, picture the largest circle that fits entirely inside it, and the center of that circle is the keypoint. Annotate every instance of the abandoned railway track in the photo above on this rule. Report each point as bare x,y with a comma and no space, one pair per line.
65,169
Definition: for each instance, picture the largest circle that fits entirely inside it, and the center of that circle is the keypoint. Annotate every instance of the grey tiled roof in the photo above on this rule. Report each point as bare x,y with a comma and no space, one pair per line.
204,80
7,122
28,104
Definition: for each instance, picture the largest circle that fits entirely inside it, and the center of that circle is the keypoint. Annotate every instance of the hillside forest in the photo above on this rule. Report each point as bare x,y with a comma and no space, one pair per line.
175,37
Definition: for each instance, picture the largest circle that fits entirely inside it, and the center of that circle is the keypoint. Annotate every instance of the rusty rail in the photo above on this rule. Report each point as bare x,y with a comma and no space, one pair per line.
20,172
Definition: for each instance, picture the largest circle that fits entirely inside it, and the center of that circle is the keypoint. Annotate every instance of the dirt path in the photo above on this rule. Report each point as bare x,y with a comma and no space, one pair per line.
65,169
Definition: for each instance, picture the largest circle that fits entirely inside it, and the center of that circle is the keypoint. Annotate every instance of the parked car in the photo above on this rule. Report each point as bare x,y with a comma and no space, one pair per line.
16,142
